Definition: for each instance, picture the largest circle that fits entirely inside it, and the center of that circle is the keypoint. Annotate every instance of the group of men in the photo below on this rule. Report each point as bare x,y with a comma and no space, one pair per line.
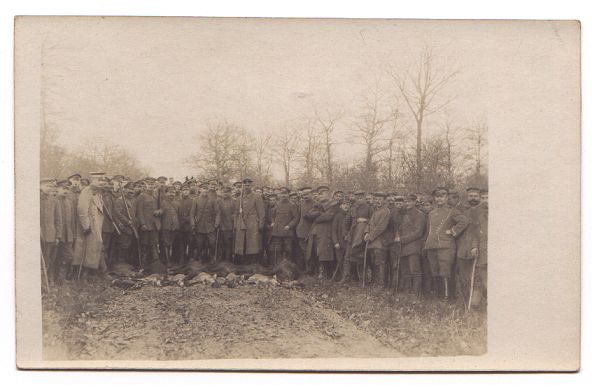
421,243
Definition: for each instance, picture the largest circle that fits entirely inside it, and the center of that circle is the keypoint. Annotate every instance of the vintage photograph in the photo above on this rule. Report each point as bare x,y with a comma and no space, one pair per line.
216,188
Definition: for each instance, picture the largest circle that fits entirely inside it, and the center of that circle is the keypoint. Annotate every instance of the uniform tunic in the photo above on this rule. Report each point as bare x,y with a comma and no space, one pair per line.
248,237
90,216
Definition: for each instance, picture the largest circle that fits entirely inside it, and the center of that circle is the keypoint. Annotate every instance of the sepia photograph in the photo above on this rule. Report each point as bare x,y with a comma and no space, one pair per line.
242,188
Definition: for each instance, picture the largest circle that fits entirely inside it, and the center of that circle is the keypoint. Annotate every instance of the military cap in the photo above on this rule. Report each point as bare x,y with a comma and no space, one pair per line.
177,182
272,195
473,189
427,199
337,192
440,190
237,184
149,179
118,178
379,194
452,192
411,197
284,190
47,180
185,186
359,192
75,175
305,188
399,198
484,191
170,188
247,181
322,188
129,185
64,183
162,178
227,189
203,185
293,194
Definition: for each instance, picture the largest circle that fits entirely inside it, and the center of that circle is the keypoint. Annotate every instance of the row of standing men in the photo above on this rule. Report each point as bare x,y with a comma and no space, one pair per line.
422,243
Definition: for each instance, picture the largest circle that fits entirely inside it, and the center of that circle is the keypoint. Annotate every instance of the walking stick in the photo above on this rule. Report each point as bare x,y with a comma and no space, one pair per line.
216,246
471,288
364,271
83,256
398,256
44,270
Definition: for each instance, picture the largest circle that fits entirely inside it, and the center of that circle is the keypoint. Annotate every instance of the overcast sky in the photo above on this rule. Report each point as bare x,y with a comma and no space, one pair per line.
150,84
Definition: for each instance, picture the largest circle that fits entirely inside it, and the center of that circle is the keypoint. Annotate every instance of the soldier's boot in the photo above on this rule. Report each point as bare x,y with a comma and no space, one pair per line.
446,289
346,272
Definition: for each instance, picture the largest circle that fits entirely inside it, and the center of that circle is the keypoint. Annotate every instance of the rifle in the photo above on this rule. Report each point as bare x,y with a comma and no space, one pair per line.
134,230
110,216
471,288
364,271
44,270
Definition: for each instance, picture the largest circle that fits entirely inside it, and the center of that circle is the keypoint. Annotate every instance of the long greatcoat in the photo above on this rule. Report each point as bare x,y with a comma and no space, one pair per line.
69,220
380,237
88,249
285,214
475,236
248,238
321,231
51,218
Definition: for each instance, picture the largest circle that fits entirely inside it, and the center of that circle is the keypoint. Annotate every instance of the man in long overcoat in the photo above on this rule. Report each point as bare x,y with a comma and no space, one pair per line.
410,236
88,250
51,224
283,227
205,219
249,223
378,237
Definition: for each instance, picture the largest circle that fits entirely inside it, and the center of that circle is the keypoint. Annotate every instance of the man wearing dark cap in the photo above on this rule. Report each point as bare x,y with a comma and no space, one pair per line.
88,249
358,218
51,225
205,219
110,225
249,224
148,219
410,236
304,224
183,248
320,250
169,224
125,210
377,238
472,256
445,224
65,251
227,213
283,227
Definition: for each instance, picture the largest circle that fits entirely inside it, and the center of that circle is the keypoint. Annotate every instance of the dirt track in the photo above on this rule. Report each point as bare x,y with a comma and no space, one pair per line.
198,322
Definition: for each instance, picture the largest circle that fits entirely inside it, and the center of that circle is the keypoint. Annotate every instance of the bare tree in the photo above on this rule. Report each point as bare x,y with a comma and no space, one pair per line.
477,137
309,151
369,128
421,89
286,147
327,121
394,145
263,157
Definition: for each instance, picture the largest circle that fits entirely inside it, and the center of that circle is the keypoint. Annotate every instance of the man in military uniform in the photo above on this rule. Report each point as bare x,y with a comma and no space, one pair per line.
410,236
88,250
472,251
148,219
283,227
445,224
169,223
359,215
51,225
249,224
110,225
65,250
205,219
304,224
378,238
227,213
182,247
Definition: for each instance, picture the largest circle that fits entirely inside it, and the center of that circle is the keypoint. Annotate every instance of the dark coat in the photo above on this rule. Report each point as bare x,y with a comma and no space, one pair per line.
249,224
121,213
51,218
108,206
322,233
170,215
69,220
339,231
227,212
185,204
411,232
205,214
146,205
380,237
285,214
442,220
359,211
475,235
304,223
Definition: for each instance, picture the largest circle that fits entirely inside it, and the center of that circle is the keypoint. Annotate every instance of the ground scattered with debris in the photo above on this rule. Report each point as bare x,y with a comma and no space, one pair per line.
203,321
